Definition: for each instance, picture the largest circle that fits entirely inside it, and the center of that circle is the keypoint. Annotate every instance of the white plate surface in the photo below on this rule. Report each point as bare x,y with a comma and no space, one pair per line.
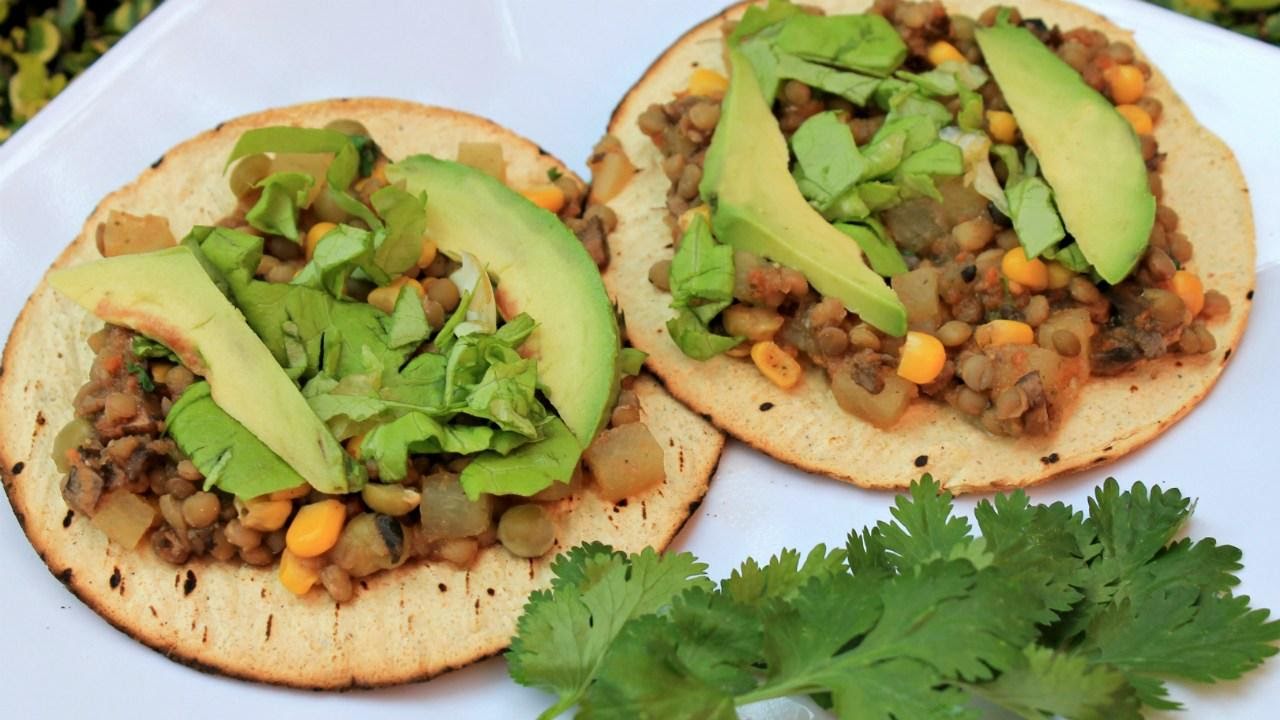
553,71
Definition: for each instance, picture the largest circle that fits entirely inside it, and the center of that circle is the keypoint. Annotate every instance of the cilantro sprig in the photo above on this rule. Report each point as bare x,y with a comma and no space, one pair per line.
1048,611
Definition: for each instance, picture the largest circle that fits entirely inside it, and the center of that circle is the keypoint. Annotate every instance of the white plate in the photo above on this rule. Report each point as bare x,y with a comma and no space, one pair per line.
553,71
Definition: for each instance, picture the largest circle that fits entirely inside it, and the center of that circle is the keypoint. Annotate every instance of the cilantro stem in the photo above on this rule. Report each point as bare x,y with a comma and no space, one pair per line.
771,692
561,706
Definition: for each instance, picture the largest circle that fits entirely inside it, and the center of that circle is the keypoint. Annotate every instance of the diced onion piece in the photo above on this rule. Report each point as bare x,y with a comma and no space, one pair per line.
881,409
124,518
918,291
482,313
446,511
485,157
624,461
610,173
125,234
975,146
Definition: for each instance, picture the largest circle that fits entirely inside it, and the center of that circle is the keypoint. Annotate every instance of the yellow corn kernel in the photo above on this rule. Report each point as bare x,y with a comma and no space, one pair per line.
316,232
1138,118
1186,285
708,83
1030,274
292,493
384,298
1125,83
316,528
686,217
1059,276
411,282
1004,332
943,51
774,363
428,254
296,574
547,196
1002,126
922,358
353,445
265,514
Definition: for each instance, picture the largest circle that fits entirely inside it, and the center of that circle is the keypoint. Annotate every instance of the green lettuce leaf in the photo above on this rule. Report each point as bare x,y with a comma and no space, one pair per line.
866,43
276,211
339,253
693,338
631,361
854,87
701,286
828,163
526,470
1034,216
408,326
757,18
389,445
406,217
229,456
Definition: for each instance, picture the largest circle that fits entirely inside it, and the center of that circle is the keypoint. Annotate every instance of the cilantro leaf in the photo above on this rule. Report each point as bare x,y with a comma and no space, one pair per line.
712,643
1047,613
782,577
563,635
1062,685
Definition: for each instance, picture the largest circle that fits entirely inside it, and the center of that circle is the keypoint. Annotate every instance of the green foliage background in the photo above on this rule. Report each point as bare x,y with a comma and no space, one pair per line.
44,44
1255,18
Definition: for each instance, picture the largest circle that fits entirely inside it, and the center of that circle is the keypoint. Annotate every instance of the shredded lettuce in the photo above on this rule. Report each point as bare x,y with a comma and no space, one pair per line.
854,87
481,315
865,43
230,457
701,286
1035,218
406,217
276,211
407,326
526,470
631,361
389,445
757,18
346,165
976,149
338,254
828,163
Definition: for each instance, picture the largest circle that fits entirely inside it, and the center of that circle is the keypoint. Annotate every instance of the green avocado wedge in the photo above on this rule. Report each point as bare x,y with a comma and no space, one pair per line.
541,269
757,207
168,297
1088,152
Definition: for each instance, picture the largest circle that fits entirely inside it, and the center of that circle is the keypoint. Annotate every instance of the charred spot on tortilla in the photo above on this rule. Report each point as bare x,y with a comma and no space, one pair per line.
1052,458
66,519
766,406
189,583
18,467
114,580
921,461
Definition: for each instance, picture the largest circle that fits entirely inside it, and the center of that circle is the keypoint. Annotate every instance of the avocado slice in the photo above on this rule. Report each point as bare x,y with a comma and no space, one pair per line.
1088,152
168,297
757,207
541,270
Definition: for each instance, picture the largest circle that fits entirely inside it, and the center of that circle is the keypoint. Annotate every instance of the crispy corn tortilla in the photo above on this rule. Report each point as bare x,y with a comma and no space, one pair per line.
806,428
409,624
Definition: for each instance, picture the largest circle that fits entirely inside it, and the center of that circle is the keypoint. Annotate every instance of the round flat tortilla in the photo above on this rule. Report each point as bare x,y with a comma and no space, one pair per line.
409,624
806,428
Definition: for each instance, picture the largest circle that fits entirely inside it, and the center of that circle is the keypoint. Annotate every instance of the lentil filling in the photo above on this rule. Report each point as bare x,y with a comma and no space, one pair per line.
1005,340
125,473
